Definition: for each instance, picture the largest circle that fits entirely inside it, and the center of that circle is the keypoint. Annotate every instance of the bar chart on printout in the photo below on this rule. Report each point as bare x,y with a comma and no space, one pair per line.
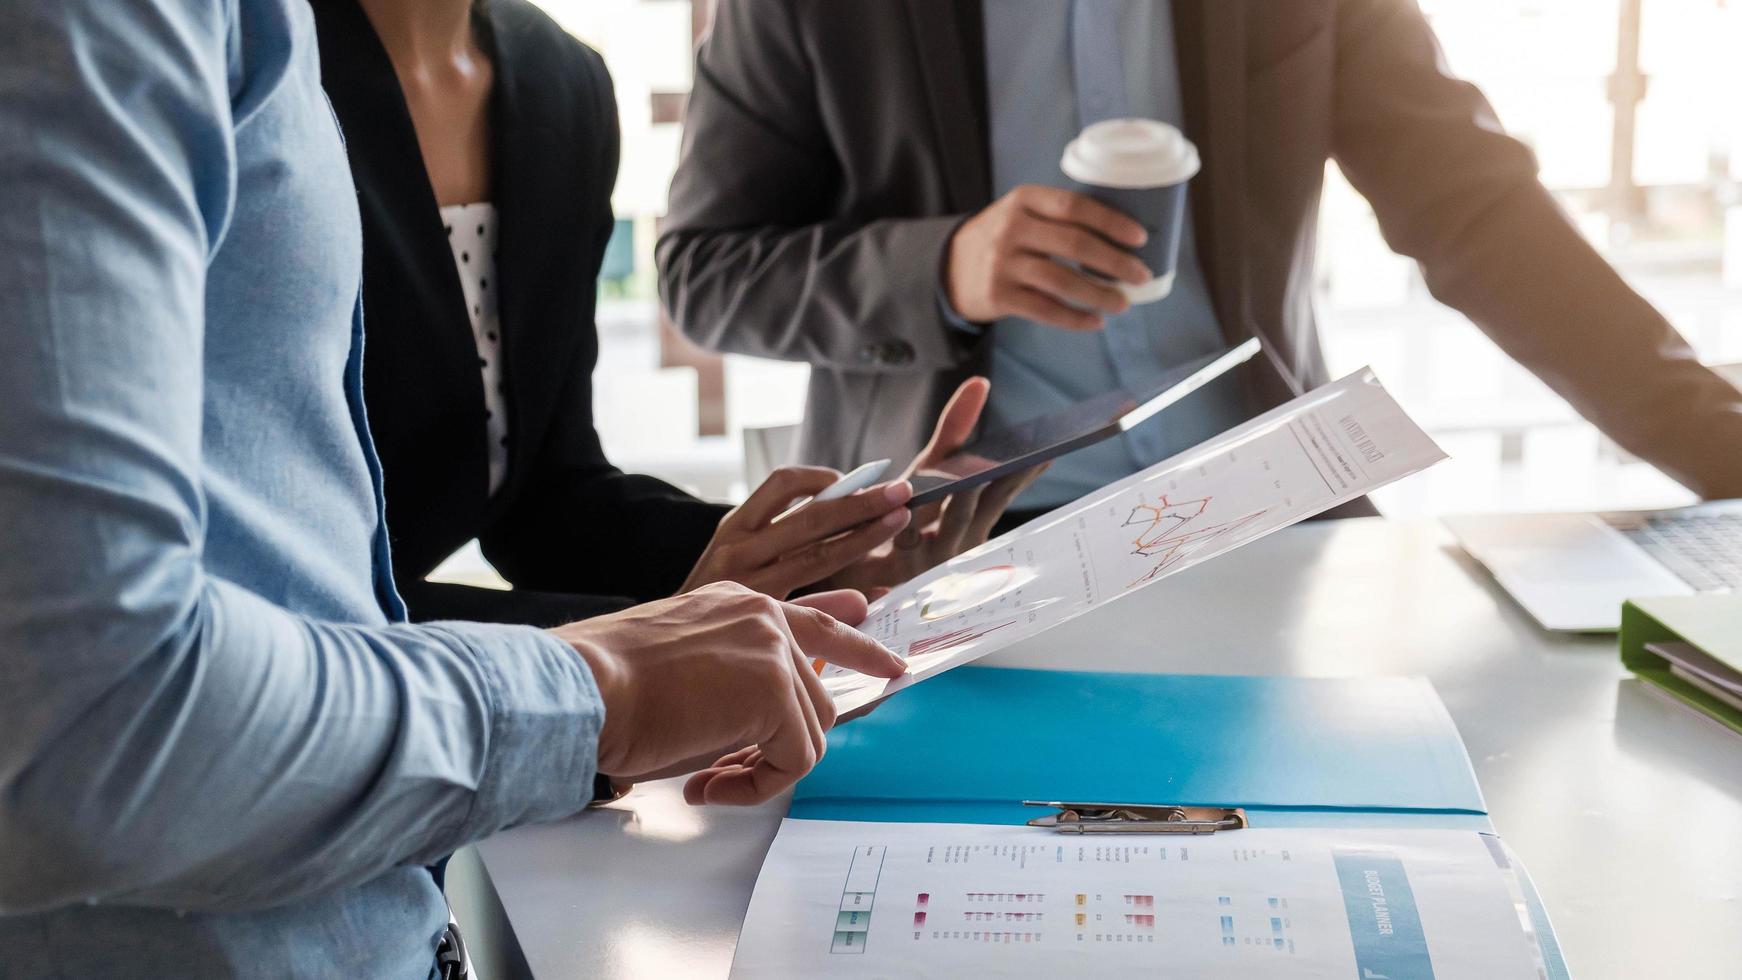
954,911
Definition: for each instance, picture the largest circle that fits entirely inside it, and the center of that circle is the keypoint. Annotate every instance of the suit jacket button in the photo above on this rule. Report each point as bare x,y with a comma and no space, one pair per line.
871,353
898,352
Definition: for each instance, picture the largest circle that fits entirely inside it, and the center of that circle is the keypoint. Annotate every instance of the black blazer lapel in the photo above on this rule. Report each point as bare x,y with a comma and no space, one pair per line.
418,337
950,45
540,146
393,182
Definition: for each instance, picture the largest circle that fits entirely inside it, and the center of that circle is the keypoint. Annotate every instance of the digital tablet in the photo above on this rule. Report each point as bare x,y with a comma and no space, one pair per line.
997,452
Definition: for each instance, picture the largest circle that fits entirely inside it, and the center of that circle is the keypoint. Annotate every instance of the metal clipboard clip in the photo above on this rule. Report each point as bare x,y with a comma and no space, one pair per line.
1137,818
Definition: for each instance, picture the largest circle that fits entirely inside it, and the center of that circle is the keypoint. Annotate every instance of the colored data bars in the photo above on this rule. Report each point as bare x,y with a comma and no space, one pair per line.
853,920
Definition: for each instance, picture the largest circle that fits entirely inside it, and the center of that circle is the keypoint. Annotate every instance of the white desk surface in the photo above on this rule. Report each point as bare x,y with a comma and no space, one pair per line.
1626,809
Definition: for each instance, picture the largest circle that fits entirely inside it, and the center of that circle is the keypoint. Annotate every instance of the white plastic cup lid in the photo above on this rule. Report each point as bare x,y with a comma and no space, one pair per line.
1130,153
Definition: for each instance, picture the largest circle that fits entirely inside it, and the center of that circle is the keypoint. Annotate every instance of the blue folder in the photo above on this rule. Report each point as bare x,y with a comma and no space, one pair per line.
970,745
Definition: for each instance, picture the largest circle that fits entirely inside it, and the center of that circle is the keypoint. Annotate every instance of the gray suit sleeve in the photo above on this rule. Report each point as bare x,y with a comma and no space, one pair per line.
1454,192
754,259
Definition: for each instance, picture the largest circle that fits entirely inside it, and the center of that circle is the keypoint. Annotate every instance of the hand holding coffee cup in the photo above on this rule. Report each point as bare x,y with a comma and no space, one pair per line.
1047,255
1066,257
1138,167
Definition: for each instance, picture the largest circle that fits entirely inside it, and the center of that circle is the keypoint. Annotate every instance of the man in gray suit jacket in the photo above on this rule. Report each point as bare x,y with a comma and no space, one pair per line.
863,187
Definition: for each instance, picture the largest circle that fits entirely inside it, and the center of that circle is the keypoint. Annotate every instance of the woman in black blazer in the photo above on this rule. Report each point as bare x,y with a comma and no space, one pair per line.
478,388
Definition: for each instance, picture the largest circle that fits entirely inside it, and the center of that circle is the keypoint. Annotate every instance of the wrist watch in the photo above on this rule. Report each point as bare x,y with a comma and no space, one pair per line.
607,790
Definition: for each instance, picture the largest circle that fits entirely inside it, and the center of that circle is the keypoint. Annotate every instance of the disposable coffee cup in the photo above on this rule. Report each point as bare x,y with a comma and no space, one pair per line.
1139,167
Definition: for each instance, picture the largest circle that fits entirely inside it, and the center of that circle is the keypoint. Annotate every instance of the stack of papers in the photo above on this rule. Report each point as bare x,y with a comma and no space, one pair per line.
1702,670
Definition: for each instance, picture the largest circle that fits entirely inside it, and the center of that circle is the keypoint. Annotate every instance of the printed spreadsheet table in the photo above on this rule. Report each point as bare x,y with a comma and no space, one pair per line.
964,900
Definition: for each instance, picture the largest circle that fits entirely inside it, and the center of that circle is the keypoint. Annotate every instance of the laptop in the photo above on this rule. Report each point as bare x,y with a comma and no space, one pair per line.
1571,572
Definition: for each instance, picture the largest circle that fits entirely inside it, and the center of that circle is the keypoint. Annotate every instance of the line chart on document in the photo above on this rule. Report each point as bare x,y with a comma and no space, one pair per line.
1167,531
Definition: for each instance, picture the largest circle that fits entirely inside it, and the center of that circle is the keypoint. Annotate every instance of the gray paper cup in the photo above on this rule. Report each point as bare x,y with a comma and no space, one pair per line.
1139,167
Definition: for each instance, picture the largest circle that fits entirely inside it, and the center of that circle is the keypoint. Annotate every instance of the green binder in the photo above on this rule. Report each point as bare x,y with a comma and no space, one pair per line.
1712,624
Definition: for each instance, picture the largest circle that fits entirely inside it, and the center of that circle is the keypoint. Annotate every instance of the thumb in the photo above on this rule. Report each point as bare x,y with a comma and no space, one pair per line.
956,425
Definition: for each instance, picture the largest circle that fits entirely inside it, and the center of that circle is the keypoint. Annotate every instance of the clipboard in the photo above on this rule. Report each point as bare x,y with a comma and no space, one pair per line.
984,745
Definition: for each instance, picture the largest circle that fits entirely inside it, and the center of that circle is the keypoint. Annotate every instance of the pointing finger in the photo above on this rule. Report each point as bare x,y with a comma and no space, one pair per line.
822,637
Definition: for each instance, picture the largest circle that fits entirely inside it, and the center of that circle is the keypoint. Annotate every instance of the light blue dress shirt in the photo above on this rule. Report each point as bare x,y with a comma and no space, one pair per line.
1036,53
222,752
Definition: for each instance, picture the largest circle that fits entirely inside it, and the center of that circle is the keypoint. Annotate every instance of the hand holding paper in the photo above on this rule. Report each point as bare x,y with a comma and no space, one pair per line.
721,670
940,531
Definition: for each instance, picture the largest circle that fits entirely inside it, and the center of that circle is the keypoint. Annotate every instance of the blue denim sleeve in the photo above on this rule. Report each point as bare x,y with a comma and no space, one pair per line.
170,737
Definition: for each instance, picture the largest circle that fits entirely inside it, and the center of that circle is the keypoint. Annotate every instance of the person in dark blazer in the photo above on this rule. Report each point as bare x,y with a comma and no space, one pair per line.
484,143
874,188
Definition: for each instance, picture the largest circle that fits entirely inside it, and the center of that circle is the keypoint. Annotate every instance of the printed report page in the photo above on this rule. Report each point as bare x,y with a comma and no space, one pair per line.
1320,450
851,899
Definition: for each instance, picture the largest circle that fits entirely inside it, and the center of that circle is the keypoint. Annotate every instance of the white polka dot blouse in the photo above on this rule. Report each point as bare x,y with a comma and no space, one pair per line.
471,230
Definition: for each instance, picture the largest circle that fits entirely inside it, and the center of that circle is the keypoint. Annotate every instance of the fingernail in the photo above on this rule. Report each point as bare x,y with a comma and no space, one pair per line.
1147,276
895,518
899,492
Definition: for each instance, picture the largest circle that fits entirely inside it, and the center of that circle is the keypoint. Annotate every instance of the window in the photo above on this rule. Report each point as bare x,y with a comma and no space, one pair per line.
1630,107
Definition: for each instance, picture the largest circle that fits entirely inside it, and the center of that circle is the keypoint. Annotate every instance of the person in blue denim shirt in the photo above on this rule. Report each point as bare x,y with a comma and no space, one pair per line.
224,753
